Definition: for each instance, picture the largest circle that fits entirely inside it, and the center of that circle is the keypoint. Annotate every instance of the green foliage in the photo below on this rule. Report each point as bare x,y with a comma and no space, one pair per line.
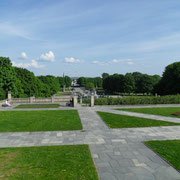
173,99
130,82
29,84
170,82
104,75
8,81
97,82
50,82
67,81
89,85
2,94
81,81
61,81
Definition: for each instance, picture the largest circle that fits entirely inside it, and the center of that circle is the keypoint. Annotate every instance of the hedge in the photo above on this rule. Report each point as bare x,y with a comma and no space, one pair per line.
171,99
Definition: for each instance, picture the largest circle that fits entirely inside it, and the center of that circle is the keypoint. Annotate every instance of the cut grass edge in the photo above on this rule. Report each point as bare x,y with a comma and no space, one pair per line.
36,106
86,147
159,155
110,126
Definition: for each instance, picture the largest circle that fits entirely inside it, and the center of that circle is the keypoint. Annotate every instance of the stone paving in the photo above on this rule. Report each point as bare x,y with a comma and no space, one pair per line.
119,154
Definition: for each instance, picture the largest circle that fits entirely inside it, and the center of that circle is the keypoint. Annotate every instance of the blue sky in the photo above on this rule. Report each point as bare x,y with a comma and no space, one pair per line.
89,37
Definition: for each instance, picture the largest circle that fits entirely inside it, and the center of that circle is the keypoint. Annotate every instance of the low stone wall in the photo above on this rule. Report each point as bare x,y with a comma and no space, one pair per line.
20,100
2,102
61,100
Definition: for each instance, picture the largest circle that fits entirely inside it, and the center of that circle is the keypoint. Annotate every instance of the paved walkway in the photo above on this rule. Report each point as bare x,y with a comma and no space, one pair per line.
117,153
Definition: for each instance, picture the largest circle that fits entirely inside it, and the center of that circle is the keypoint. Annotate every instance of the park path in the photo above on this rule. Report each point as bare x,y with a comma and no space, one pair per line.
117,153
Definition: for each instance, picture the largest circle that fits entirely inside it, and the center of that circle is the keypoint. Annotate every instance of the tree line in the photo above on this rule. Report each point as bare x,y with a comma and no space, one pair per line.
90,83
136,82
23,83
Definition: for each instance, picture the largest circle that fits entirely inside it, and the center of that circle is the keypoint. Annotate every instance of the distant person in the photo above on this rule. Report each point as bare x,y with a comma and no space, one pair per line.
7,103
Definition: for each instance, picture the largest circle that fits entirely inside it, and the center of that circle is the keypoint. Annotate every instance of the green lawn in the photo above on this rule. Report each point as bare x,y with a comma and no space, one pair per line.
48,162
121,121
163,111
52,120
169,150
24,106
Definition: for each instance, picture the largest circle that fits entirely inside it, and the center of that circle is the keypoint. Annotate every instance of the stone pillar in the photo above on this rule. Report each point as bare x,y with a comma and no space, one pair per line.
92,100
52,99
31,99
156,94
9,95
64,88
75,101
80,99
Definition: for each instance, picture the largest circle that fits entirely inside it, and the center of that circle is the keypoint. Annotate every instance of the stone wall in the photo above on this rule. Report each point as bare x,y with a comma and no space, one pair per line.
2,102
54,99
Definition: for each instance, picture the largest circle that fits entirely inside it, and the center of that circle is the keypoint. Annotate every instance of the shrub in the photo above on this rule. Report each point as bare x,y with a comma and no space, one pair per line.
173,99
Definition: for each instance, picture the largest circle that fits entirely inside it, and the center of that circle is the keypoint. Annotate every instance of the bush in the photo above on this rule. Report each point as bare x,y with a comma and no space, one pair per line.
173,99
2,94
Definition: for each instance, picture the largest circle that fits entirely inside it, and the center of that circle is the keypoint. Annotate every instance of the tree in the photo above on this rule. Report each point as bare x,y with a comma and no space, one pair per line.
170,82
98,82
129,83
8,79
29,84
68,81
104,75
2,94
82,81
51,82
89,85
61,81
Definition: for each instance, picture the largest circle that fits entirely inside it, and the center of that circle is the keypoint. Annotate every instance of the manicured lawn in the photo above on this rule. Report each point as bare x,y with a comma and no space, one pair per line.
52,120
169,150
48,162
163,111
24,106
121,121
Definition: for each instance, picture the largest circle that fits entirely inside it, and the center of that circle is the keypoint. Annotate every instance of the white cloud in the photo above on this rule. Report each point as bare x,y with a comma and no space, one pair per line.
114,61
101,63
72,60
23,56
128,61
33,64
48,56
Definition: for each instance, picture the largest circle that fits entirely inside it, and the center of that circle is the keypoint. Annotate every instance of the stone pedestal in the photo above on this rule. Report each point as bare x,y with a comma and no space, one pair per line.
80,100
52,99
64,88
31,99
9,95
75,101
92,100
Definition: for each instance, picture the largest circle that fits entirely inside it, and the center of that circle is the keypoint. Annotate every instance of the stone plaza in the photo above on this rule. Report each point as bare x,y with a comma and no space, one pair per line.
118,154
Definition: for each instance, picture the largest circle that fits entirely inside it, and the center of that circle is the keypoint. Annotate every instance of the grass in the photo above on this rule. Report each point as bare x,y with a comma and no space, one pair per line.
48,162
169,150
63,94
24,106
122,121
52,120
162,111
